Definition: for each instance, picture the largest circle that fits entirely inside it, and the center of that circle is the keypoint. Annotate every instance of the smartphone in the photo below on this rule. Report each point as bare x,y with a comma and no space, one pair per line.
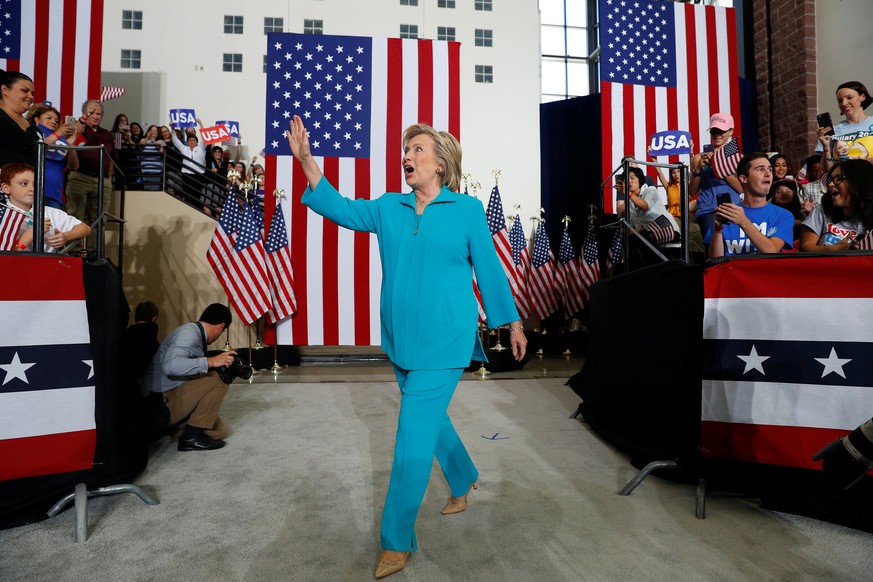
722,198
824,120
708,148
70,120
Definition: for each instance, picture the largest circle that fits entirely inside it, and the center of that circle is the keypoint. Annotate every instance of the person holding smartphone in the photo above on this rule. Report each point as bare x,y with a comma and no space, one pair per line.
852,98
704,180
755,225
47,119
845,214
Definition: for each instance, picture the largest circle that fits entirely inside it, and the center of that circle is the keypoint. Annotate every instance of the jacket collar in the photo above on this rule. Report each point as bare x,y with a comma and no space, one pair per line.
444,197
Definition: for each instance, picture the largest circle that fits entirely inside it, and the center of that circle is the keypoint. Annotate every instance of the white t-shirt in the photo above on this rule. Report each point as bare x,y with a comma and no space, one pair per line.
830,233
61,222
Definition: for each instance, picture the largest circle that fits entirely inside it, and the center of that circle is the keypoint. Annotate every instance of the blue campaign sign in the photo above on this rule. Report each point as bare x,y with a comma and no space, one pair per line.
183,118
232,127
670,143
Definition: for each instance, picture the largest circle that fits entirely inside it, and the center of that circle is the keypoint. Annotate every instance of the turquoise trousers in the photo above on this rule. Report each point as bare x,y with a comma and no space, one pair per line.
423,431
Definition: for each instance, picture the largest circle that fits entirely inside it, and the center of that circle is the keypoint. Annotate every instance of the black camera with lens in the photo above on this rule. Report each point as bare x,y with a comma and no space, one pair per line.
847,460
233,371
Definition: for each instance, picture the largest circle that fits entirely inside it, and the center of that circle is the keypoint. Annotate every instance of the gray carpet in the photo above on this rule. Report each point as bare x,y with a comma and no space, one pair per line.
298,492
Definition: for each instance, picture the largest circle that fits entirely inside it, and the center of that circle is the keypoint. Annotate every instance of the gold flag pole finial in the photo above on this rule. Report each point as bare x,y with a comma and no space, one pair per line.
496,173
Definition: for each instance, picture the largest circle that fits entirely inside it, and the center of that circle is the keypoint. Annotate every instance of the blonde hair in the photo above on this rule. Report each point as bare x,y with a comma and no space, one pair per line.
446,148
40,109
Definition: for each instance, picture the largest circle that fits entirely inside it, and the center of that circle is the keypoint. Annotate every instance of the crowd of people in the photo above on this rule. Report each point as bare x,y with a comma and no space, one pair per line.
74,180
823,203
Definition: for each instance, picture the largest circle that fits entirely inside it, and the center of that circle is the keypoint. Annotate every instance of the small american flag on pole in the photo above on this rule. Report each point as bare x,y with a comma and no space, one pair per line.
589,263
521,258
571,293
10,226
662,230
279,267
615,257
725,159
865,241
235,269
500,236
541,280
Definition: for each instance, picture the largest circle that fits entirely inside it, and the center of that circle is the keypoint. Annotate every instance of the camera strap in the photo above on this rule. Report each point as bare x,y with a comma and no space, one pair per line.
202,336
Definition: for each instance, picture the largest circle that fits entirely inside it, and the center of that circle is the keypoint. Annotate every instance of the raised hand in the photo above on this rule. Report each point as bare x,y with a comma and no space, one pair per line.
298,140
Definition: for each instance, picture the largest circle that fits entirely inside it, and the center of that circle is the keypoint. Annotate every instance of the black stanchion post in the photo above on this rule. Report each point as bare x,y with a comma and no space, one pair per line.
39,198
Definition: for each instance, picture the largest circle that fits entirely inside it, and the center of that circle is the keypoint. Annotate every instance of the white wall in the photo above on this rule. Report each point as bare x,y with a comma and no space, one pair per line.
844,46
184,41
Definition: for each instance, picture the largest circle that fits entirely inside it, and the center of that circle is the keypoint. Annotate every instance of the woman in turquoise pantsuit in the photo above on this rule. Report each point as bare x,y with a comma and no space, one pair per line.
429,242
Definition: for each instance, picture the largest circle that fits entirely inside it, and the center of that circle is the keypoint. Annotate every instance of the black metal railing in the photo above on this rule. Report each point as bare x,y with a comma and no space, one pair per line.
168,171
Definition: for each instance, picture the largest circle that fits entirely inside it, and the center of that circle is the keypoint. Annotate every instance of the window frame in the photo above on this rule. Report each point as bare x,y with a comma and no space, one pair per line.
443,33
313,26
486,39
232,63
411,31
129,18
134,56
483,74
236,21
272,27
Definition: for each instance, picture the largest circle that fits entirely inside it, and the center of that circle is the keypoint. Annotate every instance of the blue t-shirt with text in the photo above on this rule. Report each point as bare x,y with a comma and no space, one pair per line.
769,219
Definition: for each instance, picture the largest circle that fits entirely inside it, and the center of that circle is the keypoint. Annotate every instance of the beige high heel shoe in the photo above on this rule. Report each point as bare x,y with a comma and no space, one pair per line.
390,562
458,504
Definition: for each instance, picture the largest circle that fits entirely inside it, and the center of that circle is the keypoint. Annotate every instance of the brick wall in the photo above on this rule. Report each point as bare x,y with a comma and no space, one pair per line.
785,74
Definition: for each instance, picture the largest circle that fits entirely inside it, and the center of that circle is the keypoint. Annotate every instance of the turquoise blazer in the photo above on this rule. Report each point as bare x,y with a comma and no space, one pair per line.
429,313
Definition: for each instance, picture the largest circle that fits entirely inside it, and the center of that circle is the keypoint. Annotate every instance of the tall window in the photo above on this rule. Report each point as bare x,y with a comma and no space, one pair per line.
313,26
273,24
445,33
233,25
130,59
445,3
408,31
483,5
409,2
564,31
131,19
484,74
265,63
484,37
232,63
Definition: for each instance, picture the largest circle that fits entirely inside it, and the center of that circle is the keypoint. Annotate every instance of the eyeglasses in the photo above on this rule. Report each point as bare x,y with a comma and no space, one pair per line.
835,180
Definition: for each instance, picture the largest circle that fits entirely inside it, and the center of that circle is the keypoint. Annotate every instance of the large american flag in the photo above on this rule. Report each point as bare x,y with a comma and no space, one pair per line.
541,278
10,226
57,43
664,66
47,385
500,236
786,367
280,269
356,95
589,260
572,294
242,273
521,259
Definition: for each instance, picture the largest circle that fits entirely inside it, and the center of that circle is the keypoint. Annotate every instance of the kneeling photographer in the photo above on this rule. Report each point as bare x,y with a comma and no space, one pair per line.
192,382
